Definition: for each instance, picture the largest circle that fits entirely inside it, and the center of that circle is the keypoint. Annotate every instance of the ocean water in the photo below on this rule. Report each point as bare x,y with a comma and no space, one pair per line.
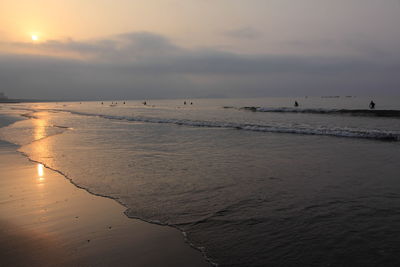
250,182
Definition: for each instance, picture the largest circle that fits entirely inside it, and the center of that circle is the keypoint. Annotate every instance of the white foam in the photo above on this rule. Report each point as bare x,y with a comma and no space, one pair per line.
290,129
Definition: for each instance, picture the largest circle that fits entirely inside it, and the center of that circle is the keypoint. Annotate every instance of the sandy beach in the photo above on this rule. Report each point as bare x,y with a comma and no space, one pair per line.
47,221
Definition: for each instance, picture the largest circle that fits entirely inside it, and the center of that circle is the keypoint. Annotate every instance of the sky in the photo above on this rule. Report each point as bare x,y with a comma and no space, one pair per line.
128,49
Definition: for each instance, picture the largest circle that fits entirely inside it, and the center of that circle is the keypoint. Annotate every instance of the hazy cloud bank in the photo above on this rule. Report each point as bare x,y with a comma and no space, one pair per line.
146,65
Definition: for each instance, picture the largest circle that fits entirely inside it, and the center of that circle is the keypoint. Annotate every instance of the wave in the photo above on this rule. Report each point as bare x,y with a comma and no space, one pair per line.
21,136
29,115
305,130
63,129
353,112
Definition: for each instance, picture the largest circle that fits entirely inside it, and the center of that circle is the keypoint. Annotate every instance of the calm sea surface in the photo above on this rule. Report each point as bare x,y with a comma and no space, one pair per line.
251,182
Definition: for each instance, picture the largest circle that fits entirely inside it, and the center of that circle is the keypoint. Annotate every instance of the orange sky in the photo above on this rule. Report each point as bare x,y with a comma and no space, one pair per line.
190,20
249,26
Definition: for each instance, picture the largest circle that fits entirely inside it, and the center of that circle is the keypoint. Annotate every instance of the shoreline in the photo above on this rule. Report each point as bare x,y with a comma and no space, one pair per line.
43,210
157,223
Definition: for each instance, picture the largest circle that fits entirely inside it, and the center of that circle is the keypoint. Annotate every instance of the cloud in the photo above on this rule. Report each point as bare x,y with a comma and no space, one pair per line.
243,33
146,65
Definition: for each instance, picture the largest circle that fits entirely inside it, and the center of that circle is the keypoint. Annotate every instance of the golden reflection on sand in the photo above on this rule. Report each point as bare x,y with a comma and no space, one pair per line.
40,179
40,170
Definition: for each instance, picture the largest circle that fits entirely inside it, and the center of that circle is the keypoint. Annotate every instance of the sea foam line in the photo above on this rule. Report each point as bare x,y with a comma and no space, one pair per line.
389,113
324,131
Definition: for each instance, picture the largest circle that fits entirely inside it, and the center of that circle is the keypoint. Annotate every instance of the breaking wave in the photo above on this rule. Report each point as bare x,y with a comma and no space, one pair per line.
306,130
353,112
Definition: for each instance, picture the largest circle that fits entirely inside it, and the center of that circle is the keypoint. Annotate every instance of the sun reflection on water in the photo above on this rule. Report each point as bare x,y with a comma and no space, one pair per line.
40,149
40,129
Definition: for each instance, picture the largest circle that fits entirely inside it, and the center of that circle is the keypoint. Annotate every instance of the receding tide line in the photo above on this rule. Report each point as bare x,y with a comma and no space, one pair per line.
186,239
324,131
126,212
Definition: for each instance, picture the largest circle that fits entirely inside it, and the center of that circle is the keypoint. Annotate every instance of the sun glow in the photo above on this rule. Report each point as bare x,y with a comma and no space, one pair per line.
34,37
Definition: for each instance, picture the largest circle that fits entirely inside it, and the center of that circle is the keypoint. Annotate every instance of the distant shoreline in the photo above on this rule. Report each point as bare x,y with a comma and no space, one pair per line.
8,101
16,101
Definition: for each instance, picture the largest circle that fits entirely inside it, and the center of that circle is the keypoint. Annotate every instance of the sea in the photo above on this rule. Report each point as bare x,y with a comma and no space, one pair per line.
249,182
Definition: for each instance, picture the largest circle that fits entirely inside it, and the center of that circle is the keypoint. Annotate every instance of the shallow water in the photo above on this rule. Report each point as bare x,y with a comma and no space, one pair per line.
243,189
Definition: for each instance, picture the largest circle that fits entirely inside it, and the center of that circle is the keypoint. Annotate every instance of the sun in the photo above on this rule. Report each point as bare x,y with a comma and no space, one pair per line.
34,37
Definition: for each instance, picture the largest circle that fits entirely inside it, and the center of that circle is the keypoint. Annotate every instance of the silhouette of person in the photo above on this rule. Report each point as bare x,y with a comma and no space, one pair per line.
191,103
372,105
144,103
184,103
296,104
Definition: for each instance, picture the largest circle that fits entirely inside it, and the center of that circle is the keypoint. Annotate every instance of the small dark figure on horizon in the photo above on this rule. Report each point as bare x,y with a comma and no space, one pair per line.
191,103
184,103
144,103
372,105
102,103
124,102
296,104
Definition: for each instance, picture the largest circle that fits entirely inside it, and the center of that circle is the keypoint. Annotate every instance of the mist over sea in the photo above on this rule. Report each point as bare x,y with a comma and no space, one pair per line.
251,182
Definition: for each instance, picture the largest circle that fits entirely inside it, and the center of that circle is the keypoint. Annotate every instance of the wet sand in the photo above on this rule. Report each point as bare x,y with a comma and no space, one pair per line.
47,221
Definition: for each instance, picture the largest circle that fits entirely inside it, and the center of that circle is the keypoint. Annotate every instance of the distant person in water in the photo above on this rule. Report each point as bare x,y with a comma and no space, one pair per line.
184,102
191,103
144,103
372,105
296,104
